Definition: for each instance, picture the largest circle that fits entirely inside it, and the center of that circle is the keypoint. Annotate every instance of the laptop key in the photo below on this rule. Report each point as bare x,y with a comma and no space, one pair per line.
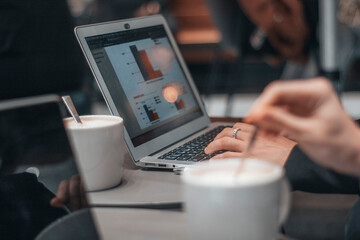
195,146
183,158
199,157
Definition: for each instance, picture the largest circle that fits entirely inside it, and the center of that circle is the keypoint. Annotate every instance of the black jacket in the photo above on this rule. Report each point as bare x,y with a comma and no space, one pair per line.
305,175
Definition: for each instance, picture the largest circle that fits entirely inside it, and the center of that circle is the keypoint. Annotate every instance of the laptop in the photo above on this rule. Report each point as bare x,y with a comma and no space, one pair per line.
144,79
34,141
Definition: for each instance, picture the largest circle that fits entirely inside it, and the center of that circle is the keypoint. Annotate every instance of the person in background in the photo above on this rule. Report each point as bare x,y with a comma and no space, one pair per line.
284,29
325,154
38,50
92,11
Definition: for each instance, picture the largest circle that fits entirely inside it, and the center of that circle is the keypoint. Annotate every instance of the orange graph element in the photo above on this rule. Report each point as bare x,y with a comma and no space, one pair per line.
149,69
154,116
180,104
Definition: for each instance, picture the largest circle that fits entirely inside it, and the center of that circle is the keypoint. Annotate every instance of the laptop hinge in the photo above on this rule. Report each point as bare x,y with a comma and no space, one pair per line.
162,149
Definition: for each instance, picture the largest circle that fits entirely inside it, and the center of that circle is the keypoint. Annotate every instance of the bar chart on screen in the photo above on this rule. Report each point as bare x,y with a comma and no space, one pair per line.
151,78
147,109
152,115
144,64
180,104
140,62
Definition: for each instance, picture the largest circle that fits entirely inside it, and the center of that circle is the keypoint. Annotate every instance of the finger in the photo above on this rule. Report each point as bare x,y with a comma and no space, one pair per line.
227,155
280,92
56,202
240,134
62,194
75,192
278,120
225,143
245,127
296,93
224,133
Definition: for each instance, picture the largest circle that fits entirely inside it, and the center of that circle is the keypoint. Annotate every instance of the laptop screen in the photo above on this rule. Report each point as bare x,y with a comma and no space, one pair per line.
145,80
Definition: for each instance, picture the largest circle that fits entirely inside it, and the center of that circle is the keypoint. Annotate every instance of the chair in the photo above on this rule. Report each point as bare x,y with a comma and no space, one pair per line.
77,225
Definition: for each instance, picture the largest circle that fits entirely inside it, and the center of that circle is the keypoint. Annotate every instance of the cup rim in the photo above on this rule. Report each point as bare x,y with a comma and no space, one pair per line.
120,121
189,179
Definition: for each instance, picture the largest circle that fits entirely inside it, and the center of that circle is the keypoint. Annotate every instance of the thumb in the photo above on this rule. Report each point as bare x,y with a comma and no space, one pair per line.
277,119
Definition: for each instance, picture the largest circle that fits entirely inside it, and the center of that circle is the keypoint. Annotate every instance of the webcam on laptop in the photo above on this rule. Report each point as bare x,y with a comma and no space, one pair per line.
127,26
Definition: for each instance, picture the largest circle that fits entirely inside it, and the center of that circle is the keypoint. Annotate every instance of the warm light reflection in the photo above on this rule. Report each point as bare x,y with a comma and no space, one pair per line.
161,57
170,94
172,91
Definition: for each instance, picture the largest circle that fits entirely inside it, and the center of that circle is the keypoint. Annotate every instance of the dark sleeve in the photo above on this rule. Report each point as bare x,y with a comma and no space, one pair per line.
305,175
25,207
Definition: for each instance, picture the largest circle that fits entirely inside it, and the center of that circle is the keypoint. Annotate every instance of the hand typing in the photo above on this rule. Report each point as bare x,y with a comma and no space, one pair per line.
273,148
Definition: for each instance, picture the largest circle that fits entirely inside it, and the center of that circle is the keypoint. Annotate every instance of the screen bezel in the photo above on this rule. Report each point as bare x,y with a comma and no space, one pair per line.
21,103
52,101
168,138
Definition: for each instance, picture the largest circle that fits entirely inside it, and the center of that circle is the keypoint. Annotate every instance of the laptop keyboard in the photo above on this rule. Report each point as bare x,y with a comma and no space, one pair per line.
194,149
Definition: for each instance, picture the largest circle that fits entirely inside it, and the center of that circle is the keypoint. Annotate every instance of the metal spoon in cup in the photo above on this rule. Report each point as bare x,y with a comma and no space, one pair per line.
71,108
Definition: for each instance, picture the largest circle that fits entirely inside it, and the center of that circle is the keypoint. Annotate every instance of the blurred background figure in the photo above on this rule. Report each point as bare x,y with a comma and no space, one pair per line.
231,47
108,10
284,29
38,51
349,17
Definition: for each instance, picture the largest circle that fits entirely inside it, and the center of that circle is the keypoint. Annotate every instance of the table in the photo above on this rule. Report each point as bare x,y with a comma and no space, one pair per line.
139,224
144,188
119,223
141,188
120,212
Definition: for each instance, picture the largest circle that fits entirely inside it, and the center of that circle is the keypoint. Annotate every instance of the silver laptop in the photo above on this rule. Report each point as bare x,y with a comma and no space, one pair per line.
144,79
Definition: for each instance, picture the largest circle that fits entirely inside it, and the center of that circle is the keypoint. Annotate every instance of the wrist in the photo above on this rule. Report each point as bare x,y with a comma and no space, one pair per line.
280,149
288,148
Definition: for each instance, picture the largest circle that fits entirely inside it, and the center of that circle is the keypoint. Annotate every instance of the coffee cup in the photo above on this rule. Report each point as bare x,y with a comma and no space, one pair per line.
99,149
232,199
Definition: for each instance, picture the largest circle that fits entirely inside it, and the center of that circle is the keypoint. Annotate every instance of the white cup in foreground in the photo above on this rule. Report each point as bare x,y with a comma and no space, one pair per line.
99,148
223,204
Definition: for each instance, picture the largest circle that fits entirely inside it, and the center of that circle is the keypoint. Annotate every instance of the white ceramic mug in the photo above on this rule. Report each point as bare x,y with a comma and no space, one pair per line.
226,200
99,148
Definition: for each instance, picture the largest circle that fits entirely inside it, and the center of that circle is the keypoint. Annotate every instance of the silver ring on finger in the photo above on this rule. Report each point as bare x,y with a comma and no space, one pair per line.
235,132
